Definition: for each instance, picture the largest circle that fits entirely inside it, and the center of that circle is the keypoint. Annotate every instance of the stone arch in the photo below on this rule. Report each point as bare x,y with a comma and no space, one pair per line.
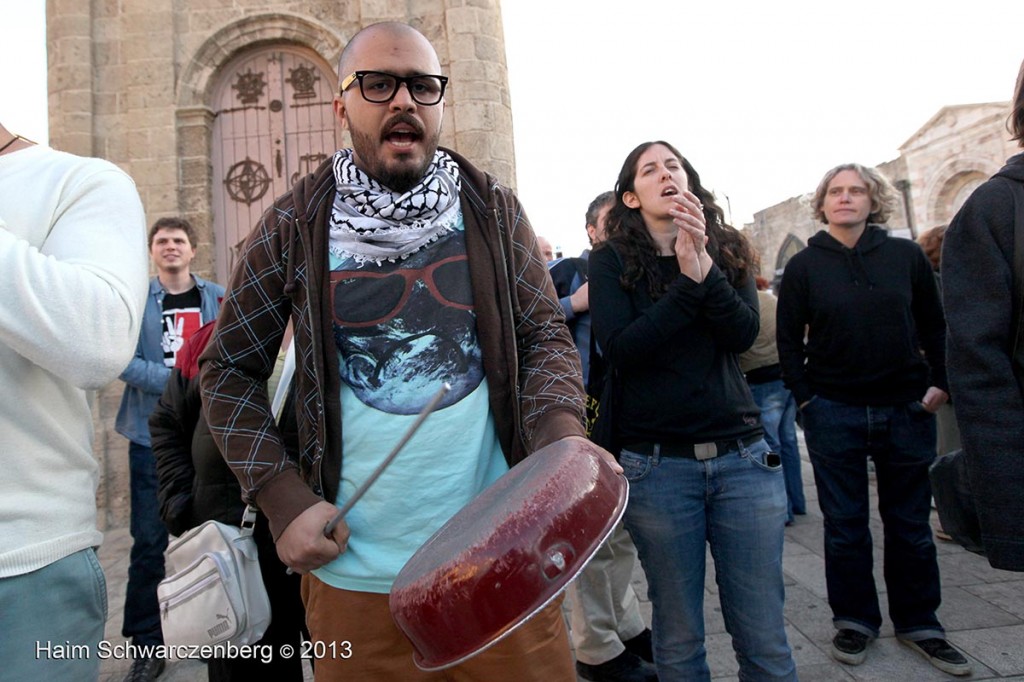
950,185
194,116
791,246
198,76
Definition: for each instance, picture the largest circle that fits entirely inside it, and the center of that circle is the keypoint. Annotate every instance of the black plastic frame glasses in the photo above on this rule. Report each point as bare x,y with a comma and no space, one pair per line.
379,87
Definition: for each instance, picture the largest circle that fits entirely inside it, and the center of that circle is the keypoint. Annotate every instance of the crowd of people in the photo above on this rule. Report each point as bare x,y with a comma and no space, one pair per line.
399,265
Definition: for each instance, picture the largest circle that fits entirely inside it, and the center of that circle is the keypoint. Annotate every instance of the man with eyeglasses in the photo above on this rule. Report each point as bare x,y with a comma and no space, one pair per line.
400,266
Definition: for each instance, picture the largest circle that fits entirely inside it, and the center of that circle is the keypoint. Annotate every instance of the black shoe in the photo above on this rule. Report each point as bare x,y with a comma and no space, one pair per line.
626,667
939,653
145,669
850,646
641,645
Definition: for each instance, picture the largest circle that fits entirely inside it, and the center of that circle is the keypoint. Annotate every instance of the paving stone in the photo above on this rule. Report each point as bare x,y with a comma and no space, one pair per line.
807,570
1001,649
810,615
962,610
1008,596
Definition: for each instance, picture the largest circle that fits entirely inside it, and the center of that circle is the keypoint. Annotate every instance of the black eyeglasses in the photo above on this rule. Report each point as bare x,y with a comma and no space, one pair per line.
379,87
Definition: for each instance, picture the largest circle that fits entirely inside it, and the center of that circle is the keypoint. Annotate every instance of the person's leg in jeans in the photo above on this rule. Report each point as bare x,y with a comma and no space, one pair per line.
63,606
837,440
666,518
778,418
789,450
904,494
746,517
149,540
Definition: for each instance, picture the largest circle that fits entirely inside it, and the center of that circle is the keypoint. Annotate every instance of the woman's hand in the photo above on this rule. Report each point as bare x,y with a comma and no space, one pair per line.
692,239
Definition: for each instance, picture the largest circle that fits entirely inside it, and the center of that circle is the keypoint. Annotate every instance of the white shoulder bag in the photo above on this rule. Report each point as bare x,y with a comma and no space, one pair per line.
214,592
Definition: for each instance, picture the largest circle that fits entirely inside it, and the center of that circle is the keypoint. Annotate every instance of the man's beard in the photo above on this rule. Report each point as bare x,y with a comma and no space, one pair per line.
402,176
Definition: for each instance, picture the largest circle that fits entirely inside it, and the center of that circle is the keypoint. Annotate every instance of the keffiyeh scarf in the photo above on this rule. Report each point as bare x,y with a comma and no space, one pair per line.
371,223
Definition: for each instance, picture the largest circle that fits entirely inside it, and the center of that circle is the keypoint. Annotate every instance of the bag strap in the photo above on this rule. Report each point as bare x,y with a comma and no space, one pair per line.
248,521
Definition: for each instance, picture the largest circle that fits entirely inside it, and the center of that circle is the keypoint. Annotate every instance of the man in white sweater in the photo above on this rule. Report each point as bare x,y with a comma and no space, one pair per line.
73,273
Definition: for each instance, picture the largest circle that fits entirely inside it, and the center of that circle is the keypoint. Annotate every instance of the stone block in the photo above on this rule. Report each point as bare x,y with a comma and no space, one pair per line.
105,53
382,10
474,116
489,49
194,168
155,171
137,47
461,48
463,20
151,73
152,24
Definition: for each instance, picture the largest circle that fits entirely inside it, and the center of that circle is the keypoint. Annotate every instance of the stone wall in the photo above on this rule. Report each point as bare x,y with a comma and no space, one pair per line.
130,81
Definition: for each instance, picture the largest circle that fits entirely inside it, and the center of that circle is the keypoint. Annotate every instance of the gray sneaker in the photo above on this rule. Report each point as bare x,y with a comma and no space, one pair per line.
941,654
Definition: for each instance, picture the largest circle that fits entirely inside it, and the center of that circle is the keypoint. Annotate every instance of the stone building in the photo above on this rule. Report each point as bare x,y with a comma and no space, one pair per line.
214,107
937,169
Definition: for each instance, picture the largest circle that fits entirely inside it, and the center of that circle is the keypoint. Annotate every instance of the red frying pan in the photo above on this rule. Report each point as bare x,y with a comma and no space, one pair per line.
507,554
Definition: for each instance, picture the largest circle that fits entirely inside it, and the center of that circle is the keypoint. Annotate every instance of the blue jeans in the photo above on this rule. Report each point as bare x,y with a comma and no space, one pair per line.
737,504
52,619
149,540
900,439
778,417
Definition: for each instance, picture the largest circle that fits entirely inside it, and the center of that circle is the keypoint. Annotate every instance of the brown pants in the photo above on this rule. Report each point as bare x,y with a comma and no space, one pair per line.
361,643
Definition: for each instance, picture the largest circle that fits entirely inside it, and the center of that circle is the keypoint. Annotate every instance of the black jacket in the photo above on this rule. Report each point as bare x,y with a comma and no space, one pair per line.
675,359
977,280
869,311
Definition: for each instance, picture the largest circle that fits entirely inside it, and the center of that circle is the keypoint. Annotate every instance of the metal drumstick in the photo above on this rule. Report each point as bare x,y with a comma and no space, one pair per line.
361,490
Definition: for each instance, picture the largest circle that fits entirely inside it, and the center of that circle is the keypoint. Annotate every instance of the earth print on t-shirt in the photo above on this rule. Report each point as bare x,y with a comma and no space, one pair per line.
404,328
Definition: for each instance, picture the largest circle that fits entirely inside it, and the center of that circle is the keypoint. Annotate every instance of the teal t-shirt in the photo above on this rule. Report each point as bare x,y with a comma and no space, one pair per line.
402,329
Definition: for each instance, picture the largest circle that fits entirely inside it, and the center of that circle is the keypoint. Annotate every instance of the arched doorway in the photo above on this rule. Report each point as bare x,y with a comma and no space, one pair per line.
273,122
790,247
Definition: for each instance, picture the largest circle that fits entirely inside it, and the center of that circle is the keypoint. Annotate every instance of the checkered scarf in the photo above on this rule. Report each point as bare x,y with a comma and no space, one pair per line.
371,223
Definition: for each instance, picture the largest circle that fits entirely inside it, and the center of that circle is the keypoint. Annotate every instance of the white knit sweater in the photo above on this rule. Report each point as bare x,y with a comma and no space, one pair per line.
73,278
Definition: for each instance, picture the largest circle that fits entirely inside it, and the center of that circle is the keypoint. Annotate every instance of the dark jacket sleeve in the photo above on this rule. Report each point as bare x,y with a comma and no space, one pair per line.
792,317
977,286
171,426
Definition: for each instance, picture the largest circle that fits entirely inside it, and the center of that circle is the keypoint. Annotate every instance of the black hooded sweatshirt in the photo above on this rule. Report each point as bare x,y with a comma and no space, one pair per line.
869,312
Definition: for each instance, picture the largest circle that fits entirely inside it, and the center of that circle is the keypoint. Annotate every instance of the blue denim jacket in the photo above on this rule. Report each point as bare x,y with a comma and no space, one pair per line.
146,374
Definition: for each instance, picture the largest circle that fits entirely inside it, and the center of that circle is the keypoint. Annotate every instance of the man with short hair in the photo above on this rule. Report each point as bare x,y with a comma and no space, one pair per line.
611,641
401,266
73,277
178,304
868,306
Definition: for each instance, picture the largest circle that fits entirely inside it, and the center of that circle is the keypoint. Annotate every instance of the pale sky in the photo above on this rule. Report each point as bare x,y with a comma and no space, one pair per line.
762,97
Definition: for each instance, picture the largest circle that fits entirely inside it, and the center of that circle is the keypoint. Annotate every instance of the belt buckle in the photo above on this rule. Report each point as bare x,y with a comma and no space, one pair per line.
704,451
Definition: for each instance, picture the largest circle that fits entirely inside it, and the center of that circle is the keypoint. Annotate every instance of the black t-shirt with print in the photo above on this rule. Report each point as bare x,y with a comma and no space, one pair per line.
182,316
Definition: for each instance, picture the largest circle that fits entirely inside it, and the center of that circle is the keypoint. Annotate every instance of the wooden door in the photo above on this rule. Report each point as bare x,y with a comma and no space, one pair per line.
273,122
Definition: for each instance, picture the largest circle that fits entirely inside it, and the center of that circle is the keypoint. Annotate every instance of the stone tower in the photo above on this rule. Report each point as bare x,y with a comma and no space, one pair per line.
215,106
